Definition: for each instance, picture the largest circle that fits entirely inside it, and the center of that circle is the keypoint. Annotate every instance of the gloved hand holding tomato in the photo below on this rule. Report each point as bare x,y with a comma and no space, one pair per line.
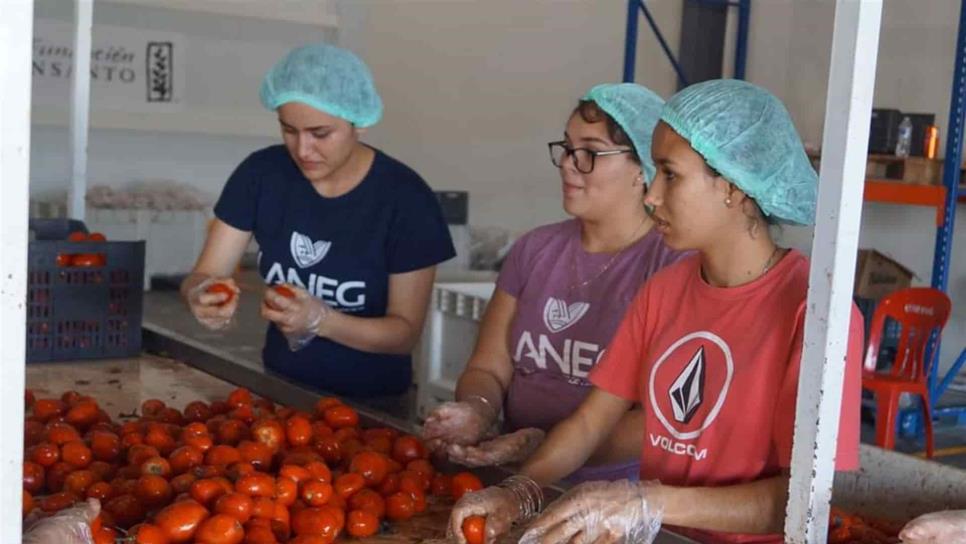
214,301
295,312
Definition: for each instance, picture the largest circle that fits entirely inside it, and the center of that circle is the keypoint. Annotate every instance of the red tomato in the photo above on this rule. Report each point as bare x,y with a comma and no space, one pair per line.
96,237
465,482
282,290
221,288
220,529
77,236
339,417
179,521
408,448
400,506
371,465
474,529
285,291
88,260
362,523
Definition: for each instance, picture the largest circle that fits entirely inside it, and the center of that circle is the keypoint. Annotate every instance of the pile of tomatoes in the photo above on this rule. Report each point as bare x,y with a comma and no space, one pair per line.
83,260
845,528
229,472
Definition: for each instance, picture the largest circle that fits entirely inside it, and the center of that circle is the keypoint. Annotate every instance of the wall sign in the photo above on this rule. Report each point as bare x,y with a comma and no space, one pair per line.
132,69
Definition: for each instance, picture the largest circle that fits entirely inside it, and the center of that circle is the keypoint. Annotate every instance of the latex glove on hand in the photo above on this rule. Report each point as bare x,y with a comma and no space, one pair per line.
599,512
213,302
505,449
70,526
298,316
462,423
516,499
947,527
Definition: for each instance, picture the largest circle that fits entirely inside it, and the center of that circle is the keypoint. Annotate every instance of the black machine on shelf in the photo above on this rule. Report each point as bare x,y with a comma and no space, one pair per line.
884,132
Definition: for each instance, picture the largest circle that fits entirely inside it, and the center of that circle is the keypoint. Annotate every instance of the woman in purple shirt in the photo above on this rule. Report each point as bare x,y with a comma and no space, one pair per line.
561,293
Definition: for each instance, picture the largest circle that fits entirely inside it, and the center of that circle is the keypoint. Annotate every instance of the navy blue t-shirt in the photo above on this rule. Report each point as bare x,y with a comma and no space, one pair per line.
342,250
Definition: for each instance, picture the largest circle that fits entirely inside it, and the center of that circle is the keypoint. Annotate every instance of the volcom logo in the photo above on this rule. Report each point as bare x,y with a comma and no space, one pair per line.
687,392
557,315
306,252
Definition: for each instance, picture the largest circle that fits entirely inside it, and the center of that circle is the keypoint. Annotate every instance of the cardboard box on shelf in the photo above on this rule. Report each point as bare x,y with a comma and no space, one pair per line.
914,170
877,275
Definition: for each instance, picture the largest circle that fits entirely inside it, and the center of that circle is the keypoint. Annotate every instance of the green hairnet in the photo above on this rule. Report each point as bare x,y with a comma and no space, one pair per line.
637,110
745,133
328,78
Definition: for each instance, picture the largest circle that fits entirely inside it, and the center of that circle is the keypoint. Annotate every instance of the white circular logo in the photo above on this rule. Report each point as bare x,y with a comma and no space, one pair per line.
719,402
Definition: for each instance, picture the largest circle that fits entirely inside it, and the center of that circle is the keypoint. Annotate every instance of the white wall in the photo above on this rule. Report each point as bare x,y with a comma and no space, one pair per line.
475,89
220,120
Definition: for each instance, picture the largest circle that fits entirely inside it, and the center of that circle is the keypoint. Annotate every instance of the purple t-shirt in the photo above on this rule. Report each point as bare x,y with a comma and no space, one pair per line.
569,304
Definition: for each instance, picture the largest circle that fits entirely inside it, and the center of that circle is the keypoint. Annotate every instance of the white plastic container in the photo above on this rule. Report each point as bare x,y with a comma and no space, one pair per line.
174,238
448,340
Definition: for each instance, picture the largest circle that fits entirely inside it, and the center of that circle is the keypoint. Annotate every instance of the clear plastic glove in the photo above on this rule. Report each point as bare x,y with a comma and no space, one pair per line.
505,449
516,499
462,423
213,309
599,512
70,526
947,527
298,317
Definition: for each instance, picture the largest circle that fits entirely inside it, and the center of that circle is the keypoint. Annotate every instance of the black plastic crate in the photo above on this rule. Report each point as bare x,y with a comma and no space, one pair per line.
84,312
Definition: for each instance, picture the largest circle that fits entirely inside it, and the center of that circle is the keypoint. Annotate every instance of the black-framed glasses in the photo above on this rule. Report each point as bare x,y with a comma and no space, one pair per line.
582,157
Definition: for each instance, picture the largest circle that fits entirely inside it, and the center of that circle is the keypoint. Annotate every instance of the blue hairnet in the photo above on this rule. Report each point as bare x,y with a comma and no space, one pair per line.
637,110
745,133
328,78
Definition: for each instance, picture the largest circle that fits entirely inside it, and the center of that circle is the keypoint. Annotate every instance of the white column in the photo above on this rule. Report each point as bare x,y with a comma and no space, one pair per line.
848,107
16,37
80,106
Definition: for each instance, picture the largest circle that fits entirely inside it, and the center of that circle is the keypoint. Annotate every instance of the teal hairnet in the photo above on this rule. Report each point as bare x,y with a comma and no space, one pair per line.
745,133
637,110
329,79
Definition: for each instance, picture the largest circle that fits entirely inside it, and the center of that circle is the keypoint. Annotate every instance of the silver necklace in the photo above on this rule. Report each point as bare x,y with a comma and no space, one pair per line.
629,243
769,263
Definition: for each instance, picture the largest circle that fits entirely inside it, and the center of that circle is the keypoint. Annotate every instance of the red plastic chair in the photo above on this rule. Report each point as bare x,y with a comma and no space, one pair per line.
920,311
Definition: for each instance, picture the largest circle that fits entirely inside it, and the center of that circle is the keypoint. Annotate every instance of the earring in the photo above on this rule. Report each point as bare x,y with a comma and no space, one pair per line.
638,180
728,202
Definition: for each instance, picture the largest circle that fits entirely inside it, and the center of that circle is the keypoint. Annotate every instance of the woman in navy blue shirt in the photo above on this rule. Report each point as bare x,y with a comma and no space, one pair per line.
355,234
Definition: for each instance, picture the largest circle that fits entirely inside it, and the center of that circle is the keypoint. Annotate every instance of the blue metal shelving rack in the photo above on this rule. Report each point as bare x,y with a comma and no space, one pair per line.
635,8
942,258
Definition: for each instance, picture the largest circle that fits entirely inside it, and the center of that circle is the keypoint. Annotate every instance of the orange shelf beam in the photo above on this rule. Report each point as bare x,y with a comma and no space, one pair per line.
891,192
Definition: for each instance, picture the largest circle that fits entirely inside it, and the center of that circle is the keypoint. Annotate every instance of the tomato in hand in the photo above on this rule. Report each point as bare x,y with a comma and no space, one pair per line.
474,529
223,289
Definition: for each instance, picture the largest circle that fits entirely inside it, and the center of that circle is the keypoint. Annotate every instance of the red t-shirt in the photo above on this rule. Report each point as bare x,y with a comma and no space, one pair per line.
716,370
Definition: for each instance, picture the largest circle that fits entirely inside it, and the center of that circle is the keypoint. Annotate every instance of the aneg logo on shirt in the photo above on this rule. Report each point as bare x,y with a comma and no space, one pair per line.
558,315
306,252
573,357
347,296
694,384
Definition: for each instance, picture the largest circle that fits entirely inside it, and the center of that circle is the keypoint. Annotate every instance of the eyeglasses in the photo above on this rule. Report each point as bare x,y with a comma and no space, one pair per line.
583,158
